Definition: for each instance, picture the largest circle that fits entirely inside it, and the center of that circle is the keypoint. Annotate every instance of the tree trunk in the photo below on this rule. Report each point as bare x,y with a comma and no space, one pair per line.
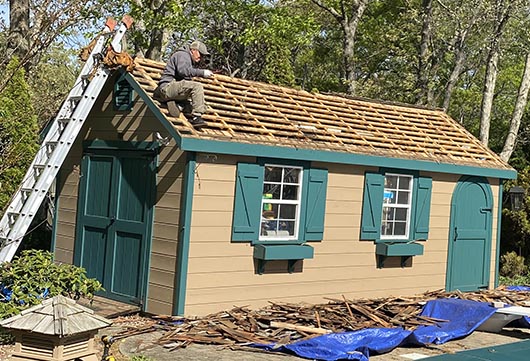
348,56
349,21
487,95
520,104
158,44
18,39
454,76
422,82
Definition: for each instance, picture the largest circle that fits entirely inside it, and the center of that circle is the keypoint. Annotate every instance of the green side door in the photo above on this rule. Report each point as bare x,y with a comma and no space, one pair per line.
469,251
114,221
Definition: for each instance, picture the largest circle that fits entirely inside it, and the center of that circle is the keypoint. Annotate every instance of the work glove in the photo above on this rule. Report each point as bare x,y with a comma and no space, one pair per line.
207,73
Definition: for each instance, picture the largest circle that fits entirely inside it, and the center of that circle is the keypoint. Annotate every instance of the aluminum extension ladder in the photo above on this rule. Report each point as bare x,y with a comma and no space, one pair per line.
59,139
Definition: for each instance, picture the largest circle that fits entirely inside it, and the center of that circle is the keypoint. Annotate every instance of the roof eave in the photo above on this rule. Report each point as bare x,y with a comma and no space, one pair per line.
260,150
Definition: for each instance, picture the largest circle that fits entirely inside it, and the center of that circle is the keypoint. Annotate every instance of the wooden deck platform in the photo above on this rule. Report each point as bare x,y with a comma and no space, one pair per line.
109,308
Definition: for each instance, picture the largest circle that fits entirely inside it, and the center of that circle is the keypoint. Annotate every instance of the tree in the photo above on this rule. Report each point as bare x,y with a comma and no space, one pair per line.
256,40
348,14
502,11
18,39
18,131
519,108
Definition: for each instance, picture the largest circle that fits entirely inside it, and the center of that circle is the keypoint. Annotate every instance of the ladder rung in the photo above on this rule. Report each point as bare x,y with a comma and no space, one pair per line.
38,169
26,193
12,216
75,98
51,145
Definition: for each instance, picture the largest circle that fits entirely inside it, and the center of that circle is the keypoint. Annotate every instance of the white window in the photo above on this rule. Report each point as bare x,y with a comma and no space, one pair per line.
280,204
397,199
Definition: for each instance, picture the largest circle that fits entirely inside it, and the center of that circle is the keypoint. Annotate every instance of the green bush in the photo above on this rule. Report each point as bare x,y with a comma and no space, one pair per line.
512,265
33,276
141,358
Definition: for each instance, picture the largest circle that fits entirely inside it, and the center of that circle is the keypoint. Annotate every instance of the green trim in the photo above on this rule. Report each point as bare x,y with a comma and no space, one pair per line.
498,242
259,150
184,240
155,109
285,252
55,213
403,250
150,218
399,249
290,253
119,145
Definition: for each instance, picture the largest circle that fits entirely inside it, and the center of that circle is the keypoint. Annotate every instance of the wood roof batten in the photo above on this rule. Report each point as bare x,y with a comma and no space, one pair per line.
249,112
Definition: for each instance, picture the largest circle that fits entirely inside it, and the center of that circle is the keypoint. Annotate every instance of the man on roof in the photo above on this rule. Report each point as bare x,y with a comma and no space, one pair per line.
176,85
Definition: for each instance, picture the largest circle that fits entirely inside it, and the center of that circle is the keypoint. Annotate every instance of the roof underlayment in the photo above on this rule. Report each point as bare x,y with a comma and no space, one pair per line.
258,113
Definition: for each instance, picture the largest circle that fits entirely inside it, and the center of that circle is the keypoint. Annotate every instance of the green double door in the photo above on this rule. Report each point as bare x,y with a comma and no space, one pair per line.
470,235
114,221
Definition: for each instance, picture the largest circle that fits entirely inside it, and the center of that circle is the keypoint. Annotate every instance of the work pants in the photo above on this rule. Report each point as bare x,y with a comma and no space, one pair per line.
183,90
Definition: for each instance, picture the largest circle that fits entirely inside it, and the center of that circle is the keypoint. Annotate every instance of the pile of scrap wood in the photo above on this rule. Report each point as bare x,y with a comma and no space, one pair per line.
283,323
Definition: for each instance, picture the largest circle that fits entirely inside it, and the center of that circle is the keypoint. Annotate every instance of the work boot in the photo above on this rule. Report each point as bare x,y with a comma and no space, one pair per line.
197,121
187,109
174,108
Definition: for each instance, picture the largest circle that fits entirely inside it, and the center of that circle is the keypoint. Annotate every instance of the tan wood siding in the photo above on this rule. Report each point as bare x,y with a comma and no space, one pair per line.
222,274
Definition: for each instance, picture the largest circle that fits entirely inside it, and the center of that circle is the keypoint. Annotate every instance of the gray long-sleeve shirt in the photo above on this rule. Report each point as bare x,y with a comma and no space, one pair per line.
180,66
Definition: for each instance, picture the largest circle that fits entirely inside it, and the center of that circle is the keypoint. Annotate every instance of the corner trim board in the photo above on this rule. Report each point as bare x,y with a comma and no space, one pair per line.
181,275
498,242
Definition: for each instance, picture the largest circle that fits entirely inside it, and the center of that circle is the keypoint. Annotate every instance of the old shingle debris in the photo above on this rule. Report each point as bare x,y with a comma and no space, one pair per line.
59,316
285,323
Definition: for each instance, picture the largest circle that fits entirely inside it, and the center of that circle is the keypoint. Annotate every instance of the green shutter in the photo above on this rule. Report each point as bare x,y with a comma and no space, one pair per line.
372,206
123,93
316,204
247,202
422,209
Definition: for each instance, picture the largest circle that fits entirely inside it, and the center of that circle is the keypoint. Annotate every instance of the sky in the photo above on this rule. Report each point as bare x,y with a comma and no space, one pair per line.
4,17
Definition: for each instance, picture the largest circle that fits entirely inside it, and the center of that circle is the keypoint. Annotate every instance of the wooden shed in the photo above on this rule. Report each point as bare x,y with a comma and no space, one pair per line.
286,195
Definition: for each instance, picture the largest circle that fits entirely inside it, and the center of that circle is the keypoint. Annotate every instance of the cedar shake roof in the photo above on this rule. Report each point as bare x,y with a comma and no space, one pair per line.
59,316
252,112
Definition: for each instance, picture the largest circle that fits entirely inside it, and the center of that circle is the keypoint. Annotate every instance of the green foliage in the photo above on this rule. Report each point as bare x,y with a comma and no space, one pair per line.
51,79
141,358
521,280
515,231
33,272
256,40
512,265
18,131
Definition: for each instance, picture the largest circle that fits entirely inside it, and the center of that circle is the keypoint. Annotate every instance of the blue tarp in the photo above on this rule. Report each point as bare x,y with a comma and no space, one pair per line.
523,322
518,288
462,316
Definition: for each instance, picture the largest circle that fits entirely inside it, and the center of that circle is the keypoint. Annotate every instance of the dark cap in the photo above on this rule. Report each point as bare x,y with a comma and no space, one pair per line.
199,46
